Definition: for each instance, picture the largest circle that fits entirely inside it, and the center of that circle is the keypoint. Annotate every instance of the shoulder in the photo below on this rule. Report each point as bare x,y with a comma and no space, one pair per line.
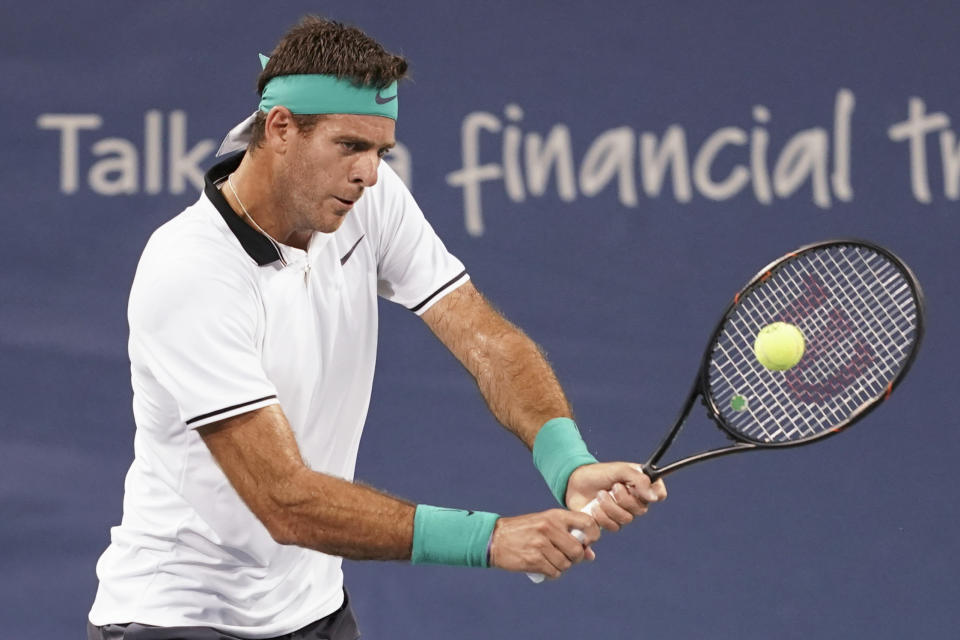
197,241
192,260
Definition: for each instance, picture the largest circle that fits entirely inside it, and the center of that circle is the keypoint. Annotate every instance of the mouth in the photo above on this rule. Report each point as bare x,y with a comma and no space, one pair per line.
350,201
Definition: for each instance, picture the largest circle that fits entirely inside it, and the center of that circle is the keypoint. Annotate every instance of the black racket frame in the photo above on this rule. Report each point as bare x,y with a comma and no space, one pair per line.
701,382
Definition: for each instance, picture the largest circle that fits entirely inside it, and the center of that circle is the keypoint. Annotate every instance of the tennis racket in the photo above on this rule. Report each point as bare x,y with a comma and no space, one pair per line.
860,309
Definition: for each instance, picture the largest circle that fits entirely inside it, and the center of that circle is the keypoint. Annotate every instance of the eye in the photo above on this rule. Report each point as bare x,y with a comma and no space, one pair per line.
383,152
349,146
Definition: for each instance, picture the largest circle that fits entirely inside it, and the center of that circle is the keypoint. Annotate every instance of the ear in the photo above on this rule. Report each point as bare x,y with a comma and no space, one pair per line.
278,128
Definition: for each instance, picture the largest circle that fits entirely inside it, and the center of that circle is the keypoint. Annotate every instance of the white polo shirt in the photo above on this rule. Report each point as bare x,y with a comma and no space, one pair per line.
224,321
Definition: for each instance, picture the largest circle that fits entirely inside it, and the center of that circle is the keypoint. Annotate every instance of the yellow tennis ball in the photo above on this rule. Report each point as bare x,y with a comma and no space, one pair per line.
779,346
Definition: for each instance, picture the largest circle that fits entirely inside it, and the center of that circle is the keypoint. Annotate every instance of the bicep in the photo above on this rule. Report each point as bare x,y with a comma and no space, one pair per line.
258,453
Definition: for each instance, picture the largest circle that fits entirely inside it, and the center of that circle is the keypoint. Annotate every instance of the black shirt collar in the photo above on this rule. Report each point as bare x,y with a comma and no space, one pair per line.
258,246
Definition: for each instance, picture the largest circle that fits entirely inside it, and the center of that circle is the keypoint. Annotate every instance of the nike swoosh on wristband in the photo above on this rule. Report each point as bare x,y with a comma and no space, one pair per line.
347,255
381,100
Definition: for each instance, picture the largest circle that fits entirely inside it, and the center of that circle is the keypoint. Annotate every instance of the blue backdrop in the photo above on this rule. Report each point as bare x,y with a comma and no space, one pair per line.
610,172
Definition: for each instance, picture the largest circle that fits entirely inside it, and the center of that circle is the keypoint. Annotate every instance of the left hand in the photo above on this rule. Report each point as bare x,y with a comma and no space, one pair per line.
623,490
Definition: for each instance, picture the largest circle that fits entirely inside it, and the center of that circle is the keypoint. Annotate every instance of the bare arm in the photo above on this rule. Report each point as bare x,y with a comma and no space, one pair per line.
259,455
523,393
514,377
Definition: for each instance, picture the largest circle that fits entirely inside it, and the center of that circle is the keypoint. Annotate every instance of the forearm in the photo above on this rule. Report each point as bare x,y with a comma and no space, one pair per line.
353,521
342,518
259,455
299,506
518,385
513,375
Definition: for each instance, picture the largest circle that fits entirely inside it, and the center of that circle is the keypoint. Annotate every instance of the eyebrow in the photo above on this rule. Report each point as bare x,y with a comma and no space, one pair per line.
364,143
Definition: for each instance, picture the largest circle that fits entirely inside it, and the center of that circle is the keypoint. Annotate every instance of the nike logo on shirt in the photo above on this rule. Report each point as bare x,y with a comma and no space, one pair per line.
347,255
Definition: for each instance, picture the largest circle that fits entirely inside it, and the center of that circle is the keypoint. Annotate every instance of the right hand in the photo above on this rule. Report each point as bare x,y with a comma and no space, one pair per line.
542,542
617,491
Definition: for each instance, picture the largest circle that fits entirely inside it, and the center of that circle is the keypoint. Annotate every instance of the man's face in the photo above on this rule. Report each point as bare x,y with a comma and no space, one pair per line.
324,173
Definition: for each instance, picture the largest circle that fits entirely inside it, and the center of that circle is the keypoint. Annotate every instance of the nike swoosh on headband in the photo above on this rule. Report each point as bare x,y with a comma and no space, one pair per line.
381,100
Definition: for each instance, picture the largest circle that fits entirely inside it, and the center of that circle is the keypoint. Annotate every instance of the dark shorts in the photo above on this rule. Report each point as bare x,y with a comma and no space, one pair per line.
339,625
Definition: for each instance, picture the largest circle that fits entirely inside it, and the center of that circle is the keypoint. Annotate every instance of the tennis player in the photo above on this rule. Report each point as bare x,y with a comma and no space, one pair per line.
253,332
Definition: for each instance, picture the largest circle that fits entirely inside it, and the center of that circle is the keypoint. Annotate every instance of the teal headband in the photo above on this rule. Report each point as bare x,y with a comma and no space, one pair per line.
317,93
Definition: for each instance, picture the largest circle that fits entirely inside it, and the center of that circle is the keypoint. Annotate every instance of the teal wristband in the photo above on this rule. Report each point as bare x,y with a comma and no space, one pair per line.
557,451
451,536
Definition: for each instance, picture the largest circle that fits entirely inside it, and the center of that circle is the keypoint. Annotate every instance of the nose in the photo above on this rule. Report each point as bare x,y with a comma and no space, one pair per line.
364,170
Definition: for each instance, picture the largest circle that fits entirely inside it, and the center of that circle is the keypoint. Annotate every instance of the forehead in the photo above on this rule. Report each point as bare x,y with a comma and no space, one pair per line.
377,130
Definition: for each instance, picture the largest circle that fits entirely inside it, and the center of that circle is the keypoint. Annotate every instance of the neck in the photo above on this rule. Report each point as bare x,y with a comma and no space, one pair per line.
250,196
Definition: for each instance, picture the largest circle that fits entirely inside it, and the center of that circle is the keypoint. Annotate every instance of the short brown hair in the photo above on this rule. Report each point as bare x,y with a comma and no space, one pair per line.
318,45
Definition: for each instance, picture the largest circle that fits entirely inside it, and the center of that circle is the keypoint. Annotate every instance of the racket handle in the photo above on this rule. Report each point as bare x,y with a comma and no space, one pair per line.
537,578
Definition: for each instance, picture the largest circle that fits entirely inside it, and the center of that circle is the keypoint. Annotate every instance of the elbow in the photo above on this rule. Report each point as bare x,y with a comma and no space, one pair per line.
280,508
280,528
278,514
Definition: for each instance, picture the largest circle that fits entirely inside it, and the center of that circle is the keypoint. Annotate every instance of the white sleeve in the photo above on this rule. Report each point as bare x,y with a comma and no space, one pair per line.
193,326
414,268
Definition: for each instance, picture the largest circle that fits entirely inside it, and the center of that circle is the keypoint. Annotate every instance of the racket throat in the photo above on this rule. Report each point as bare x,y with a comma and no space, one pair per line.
654,472
650,466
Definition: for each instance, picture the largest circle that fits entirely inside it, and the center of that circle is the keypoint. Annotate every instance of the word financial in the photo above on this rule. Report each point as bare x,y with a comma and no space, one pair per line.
612,157
726,163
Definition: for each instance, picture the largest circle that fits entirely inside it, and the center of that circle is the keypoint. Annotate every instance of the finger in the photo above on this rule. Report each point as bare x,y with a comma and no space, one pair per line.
544,558
605,522
546,568
660,489
600,516
640,485
613,510
569,545
589,555
558,559
626,500
586,523
558,531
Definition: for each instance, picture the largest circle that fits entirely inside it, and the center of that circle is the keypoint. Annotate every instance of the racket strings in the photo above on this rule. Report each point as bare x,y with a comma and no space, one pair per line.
896,295
858,312
834,345
773,426
841,354
875,318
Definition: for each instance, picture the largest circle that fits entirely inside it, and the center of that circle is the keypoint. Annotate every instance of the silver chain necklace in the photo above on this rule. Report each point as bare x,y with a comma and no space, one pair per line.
244,209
